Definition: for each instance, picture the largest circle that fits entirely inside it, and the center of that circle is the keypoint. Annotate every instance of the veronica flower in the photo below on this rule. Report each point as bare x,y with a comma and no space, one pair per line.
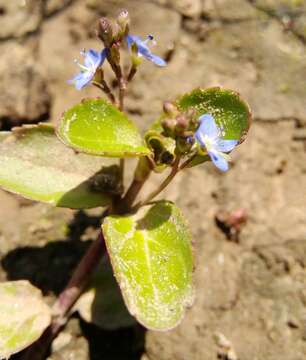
210,137
143,48
92,61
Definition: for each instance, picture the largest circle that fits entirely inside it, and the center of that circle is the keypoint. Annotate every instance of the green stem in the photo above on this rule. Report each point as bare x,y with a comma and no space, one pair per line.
116,67
132,73
175,169
187,162
106,89
142,173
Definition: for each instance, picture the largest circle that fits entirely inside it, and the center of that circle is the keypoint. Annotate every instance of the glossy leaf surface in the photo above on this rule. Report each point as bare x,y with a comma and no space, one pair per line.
231,113
36,165
97,127
23,316
152,258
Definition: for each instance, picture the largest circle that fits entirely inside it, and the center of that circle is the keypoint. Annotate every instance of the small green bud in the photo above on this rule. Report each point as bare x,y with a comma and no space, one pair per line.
136,60
123,20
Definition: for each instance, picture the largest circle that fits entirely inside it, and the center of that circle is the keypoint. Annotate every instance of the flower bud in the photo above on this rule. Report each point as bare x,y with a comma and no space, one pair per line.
105,31
123,21
182,123
168,125
136,60
170,108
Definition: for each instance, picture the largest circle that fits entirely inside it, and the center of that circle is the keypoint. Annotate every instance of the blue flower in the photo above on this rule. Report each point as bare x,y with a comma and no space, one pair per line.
144,50
210,137
92,61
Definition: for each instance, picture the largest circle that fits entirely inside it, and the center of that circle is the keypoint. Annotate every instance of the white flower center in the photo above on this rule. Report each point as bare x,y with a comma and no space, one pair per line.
208,141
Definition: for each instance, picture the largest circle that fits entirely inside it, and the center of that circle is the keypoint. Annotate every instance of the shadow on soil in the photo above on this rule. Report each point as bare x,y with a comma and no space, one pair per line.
50,267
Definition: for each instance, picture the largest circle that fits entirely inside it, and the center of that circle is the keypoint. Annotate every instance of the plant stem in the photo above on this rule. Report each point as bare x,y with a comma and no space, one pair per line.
122,89
187,162
132,73
175,169
106,89
142,173
116,67
80,277
67,299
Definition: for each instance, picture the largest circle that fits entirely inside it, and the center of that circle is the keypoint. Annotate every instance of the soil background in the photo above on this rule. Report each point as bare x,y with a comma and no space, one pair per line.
251,293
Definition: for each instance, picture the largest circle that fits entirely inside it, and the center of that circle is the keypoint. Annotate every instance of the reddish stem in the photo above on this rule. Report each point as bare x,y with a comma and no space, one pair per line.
67,299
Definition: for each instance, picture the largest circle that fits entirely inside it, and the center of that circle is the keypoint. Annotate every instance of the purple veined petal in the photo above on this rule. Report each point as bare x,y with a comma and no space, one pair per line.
208,126
134,39
81,80
219,160
156,59
93,59
143,49
129,41
75,79
200,138
225,145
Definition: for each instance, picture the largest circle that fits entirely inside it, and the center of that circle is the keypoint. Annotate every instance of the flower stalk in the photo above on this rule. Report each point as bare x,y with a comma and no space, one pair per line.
175,169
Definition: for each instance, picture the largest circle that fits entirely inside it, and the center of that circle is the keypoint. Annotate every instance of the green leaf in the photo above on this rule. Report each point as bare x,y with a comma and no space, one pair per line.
97,127
23,316
152,259
231,113
102,303
36,165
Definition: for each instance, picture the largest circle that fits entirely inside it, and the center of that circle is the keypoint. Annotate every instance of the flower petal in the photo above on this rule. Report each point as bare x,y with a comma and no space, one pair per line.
155,59
93,59
226,145
144,50
219,160
81,80
200,138
134,39
129,41
208,126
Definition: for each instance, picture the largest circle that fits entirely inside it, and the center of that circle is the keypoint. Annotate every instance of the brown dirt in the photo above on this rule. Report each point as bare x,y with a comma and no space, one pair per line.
251,293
